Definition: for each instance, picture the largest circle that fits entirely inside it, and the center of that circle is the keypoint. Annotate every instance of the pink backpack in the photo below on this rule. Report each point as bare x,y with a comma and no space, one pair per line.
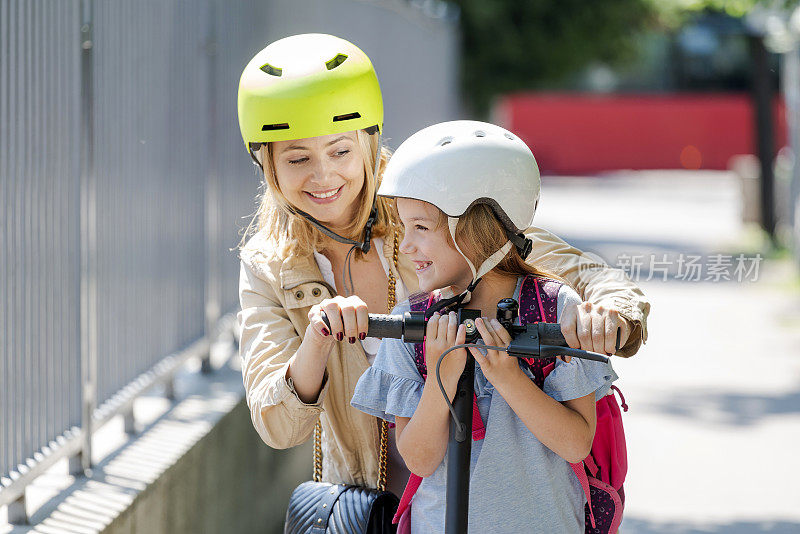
602,473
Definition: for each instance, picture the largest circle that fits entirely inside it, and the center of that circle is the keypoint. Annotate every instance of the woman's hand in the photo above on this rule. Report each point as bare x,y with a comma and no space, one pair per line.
590,327
441,333
348,317
498,367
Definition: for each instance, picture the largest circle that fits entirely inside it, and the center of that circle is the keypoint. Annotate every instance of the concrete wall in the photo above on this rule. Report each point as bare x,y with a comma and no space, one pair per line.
228,482
198,466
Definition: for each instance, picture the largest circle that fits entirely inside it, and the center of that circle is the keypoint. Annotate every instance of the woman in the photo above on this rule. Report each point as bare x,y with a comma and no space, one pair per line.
311,114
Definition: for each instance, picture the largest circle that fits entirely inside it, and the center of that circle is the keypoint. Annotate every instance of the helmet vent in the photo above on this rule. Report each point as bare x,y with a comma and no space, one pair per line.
272,71
335,62
347,117
480,133
270,127
508,136
444,141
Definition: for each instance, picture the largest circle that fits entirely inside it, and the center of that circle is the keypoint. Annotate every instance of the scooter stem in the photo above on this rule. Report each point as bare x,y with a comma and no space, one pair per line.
459,451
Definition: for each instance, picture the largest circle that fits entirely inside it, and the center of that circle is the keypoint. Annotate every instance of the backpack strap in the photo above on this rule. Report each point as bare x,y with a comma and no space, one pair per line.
405,500
538,302
422,304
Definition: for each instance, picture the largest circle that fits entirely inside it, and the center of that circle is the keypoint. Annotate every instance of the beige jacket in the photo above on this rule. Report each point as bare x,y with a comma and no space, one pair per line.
276,294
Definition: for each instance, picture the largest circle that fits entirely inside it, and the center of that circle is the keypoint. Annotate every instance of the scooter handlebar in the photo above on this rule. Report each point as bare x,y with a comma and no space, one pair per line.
410,326
381,326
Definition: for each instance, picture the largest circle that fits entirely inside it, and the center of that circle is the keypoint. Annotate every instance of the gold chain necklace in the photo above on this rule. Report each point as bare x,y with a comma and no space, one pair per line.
391,301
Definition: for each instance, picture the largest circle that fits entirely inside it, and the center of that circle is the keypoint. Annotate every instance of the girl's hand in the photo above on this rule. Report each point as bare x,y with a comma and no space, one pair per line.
441,333
348,317
498,367
594,328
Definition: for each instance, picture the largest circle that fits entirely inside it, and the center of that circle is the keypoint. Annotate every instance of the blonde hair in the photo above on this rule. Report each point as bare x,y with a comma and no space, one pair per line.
480,234
292,234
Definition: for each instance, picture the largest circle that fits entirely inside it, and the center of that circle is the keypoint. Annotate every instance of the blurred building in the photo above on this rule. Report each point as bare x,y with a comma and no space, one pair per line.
681,102
684,99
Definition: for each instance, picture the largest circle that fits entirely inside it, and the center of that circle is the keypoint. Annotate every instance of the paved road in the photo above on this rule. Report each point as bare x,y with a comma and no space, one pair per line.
714,423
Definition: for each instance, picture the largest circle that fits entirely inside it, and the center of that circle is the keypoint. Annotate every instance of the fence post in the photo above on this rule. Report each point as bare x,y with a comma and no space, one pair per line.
17,511
213,305
88,282
129,422
762,95
791,91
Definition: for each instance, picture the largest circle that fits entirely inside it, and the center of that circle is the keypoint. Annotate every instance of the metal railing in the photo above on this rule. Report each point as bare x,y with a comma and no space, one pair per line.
40,382
124,186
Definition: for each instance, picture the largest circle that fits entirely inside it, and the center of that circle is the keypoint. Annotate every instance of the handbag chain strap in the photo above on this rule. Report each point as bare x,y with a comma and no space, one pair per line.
383,449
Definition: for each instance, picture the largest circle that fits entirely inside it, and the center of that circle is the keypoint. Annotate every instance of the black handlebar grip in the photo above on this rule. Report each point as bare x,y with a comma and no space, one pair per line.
379,325
550,334
385,326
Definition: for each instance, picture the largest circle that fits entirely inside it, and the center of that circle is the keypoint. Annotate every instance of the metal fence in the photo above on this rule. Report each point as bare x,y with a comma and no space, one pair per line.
124,185
150,108
39,234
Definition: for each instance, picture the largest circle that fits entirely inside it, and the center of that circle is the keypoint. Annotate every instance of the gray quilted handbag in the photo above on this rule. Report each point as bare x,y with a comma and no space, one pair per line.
319,507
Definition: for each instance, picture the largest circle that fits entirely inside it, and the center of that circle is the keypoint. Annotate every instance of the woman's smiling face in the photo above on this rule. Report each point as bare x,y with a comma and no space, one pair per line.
321,176
437,262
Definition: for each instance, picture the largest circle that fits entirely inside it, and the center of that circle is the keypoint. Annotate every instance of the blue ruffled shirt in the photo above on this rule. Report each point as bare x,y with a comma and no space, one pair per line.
517,484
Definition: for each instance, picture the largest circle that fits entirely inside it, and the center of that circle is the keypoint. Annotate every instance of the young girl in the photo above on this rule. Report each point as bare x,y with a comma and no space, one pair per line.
465,192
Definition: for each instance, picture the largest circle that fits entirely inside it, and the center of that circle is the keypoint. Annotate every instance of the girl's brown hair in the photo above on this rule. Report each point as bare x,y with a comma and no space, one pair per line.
480,234
292,234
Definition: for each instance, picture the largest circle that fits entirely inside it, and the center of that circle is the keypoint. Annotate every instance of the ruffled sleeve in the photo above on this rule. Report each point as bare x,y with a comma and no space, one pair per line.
392,386
385,395
579,378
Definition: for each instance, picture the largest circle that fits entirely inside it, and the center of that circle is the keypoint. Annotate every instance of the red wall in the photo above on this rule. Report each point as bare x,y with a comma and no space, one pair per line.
589,133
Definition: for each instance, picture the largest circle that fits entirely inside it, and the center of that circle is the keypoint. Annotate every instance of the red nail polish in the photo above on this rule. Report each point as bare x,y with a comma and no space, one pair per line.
351,340
362,336
340,336
325,331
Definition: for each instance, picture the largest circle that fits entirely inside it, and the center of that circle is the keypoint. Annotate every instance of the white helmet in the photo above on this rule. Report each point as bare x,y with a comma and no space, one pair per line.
454,165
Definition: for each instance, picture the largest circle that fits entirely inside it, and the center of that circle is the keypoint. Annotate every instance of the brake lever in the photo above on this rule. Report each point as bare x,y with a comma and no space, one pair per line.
550,351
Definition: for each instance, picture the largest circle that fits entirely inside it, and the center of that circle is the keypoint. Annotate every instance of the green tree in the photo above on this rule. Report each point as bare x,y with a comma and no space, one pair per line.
513,45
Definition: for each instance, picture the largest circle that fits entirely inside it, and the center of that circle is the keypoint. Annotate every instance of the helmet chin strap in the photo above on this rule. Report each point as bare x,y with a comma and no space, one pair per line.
487,265
364,244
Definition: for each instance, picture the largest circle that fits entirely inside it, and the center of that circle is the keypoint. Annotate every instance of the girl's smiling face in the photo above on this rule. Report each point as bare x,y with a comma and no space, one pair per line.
321,176
429,245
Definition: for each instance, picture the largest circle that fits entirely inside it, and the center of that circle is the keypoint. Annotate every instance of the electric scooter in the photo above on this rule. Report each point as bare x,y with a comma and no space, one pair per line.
534,340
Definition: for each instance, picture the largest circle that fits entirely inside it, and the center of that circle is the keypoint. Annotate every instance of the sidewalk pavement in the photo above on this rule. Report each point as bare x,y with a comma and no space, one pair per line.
714,423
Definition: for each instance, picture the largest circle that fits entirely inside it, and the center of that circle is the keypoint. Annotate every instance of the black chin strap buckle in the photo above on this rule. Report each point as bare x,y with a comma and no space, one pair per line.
522,244
365,245
453,303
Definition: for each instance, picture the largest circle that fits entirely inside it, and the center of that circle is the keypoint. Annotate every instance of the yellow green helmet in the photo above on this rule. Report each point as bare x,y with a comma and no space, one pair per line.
305,86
